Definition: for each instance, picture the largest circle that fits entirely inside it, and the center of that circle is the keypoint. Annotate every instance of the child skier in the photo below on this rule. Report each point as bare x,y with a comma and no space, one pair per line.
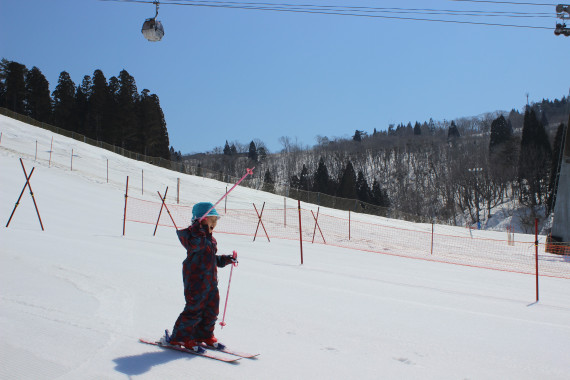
196,323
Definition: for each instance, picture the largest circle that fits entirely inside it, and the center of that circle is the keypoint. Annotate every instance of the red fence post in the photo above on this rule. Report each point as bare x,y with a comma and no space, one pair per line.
126,196
536,253
300,231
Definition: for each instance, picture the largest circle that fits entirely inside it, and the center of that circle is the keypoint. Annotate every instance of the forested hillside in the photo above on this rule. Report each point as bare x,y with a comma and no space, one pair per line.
453,172
110,111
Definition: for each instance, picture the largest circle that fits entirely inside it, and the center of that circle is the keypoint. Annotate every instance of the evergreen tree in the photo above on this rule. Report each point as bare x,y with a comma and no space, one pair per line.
233,150
114,129
321,178
362,189
304,179
453,132
99,102
64,102
268,182
347,183
127,98
3,72
417,129
357,136
153,132
502,152
294,182
227,149
501,132
379,196
81,106
557,157
534,160
252,155
14,86
38,99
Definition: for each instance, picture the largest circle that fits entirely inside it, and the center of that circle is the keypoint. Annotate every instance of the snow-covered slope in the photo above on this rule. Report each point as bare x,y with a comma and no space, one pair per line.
75,298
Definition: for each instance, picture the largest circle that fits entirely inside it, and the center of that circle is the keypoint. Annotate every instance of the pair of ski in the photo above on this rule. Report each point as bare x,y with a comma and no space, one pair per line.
209,352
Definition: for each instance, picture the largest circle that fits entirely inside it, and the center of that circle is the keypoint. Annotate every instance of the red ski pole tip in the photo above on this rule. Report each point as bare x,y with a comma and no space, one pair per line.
222,324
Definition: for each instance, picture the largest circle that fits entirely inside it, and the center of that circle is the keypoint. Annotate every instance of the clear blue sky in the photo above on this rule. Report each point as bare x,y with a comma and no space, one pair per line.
236,75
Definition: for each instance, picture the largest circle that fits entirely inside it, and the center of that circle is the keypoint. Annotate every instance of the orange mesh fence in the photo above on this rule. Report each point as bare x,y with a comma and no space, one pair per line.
419,241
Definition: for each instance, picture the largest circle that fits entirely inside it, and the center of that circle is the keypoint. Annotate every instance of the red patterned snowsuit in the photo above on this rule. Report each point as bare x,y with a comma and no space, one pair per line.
200,275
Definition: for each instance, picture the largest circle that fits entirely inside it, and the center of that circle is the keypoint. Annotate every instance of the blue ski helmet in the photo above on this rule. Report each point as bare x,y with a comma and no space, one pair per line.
200,209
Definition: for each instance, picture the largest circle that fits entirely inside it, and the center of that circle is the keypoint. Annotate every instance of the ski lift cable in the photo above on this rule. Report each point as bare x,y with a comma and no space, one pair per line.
300,9
422,11
506,2
428,11
383,9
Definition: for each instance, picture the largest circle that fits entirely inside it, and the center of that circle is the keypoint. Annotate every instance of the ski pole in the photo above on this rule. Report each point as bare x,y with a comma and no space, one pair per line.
223,322
248,171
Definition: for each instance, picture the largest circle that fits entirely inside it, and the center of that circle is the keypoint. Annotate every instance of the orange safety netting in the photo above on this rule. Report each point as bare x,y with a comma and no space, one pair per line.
419,241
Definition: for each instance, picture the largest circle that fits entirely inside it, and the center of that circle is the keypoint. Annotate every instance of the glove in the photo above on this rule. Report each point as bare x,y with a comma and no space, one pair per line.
230,259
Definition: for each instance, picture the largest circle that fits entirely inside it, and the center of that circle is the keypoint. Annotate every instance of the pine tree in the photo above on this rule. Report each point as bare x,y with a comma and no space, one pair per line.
227,149
417,129
64,102
501,132
81,106
534,161
357,136
14,84
362,189
38,99
99,102
114,128
347,183
252,155
268,182
154,135
557,156
304,179
453,132
321,178
127,99
379,196
294,182
502,152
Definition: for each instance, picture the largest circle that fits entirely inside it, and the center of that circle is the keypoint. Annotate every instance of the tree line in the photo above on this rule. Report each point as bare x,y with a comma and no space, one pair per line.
110,111
454,172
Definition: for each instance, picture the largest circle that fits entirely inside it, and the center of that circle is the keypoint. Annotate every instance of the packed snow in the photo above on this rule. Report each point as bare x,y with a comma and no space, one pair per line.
76,298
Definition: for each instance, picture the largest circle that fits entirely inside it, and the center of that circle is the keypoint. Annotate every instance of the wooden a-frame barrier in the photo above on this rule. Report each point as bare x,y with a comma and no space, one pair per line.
28,185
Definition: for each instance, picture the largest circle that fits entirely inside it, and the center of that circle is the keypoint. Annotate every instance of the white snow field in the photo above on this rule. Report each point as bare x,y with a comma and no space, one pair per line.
75,298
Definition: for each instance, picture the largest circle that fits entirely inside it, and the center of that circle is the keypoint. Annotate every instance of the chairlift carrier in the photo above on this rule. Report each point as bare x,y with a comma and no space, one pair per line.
152,29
